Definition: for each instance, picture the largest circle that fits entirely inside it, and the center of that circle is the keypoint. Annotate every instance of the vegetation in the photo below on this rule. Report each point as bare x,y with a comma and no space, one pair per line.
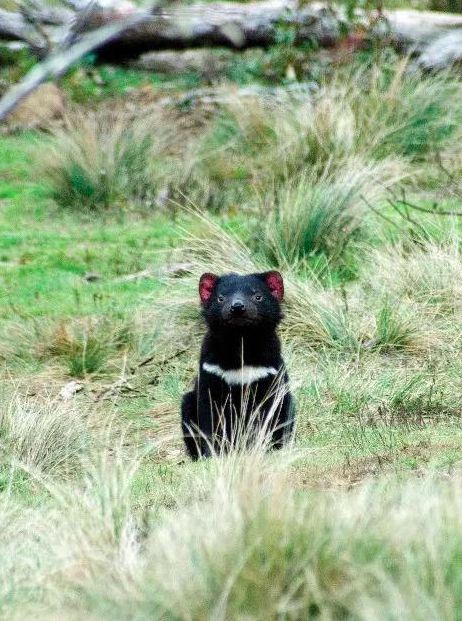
106,224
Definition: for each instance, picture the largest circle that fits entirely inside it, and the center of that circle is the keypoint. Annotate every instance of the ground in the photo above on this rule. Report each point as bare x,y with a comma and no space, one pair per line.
103,515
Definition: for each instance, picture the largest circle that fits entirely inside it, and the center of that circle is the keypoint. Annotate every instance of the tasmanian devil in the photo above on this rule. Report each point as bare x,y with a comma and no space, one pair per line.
242,384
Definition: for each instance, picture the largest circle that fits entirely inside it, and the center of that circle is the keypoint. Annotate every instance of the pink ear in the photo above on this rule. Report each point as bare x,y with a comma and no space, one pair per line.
207,284
275,284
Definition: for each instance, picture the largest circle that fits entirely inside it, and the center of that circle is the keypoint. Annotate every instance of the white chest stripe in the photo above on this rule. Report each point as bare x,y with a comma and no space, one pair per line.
244,375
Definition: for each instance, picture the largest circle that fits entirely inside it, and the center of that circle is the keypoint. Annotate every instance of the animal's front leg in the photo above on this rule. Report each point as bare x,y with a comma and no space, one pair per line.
189,424
207,407
284,424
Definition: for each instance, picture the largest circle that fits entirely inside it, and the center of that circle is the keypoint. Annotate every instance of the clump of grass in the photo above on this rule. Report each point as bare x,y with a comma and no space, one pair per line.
48,437
261,142
430,275
85,346
103,161
83,351
241,539
397,112
309,218
261,549
396,328
420,290
374,113
330,555
279,138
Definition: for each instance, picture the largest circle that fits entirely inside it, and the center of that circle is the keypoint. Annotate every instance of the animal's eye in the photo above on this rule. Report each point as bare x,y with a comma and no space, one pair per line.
221,298
258,297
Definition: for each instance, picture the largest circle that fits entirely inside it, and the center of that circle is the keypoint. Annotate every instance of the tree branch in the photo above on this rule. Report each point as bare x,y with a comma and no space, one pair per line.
433,210
59,61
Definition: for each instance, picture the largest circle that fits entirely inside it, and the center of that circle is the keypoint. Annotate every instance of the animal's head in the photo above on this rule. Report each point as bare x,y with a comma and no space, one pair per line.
239,302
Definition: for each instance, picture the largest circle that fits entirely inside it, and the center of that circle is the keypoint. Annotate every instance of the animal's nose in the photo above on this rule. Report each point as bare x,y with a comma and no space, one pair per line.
237,307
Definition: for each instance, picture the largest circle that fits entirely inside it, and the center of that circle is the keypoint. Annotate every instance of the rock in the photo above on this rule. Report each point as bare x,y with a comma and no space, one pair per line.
69,390
39,109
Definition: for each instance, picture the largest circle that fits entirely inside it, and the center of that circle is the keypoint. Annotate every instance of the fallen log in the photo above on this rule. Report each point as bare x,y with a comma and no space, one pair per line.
254,24
234,25
229,25
434,39
413,30
445,51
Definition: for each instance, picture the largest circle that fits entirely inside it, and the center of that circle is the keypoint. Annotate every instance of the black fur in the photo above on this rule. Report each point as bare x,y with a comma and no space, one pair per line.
235,337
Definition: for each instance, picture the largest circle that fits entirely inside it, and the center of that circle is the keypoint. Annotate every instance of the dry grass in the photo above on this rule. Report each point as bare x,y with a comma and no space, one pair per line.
430,275
107,160
46,436
395,112
313,217
241,538
378,113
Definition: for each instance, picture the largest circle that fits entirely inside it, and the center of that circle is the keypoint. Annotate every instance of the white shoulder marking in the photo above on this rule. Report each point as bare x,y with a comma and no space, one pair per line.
245,375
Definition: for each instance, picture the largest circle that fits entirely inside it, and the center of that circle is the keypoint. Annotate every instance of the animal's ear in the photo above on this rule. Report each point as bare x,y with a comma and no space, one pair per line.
274,283
207,284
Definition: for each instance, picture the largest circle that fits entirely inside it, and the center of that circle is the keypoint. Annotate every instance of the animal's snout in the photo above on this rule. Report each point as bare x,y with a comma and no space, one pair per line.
237,307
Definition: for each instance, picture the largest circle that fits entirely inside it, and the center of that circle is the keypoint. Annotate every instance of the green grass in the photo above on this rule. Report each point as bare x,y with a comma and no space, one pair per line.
46,258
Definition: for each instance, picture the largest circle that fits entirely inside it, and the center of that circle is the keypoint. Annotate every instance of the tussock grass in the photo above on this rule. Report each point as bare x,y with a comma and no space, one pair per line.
246,542
82,345
395,112
374,113
260,143
310,217
430,275
396,328
420,293
48,437
84,349
86,346
98,161
342,555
